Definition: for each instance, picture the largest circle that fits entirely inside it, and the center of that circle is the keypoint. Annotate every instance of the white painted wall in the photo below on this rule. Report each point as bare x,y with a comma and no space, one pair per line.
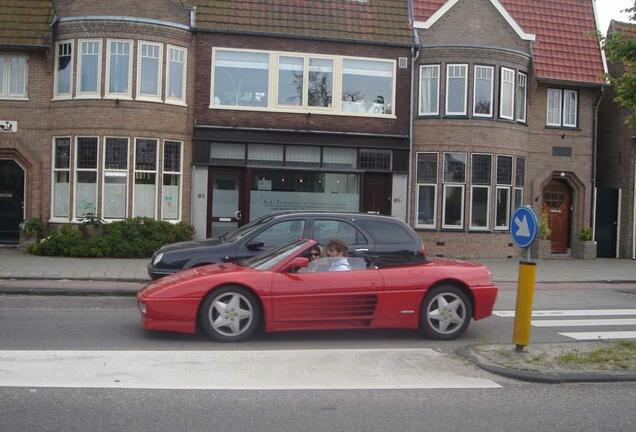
199,201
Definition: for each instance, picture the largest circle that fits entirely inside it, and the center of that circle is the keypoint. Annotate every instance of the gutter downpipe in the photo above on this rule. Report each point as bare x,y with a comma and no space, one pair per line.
594,152
415,56
634,210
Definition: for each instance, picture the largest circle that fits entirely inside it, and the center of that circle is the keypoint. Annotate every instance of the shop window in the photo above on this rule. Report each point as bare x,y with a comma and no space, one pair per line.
149,67
320,86
227,153
326,230
171,190
302,156
145,187
367,86
340,158
426,190
454,184
61,178
504,183
291,81
89,65
63,79
263,154
119,69
483,92
176,74
375,160
429,90
86,159
522,96
281,233
456,89
13,77
241,78
481,167
115,180
507,102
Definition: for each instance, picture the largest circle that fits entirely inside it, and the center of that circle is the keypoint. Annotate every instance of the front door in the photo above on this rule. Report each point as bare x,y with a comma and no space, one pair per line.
11,201
376,193
225,209
606,222
556,203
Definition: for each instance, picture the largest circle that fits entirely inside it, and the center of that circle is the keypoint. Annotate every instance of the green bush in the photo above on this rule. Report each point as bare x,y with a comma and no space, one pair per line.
130,238
32,226
585,234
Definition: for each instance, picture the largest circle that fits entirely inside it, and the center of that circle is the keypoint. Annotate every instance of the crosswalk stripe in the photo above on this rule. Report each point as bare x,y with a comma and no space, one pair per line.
583,322
570,312
600,335
418,368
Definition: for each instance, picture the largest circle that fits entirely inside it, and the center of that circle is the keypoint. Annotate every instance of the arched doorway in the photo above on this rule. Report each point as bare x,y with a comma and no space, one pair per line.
557,202
11,200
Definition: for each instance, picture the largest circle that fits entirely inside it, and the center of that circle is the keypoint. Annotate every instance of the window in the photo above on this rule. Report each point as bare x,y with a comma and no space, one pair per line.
86,162
145,188
504,183
562,108
429,90
386,232
176,75
339,158
89,68
227,153
291,81
302,156
426,190
265,154
281,233
507,102
519,181
61,178
63,70
13,77
483,94
119,69
320,86
569,108
367,86
326,230
241,78
481,165
375,160
149,64
456,86
522,96
171,191
554,107
454,179
115,180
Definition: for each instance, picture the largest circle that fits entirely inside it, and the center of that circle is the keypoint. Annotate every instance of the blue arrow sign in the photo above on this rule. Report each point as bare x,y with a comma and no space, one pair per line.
524,226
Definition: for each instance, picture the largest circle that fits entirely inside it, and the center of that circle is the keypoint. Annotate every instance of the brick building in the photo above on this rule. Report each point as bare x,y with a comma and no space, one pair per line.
616,220
505,115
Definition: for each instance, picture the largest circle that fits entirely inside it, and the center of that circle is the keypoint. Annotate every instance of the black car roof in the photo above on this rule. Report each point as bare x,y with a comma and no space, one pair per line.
329,213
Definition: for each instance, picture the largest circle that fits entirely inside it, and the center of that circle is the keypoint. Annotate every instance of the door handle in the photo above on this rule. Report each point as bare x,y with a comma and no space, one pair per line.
362,250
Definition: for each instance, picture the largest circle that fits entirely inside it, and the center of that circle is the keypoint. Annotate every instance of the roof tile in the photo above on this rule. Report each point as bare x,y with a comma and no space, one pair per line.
26,22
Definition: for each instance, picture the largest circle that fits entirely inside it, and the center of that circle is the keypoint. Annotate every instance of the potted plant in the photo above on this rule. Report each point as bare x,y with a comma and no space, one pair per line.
584,247
542,247
30,231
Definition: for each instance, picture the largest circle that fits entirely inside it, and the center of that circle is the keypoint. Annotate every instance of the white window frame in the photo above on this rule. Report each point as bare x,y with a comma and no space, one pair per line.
180,174
155,172
576,108
524,103
138,95
173,100
513,89
78,85
272,100
451,113
517,188
439,78
417,185
52,217
472,227
76,170
105,170
507,226
454,184
492,91
560,93
69,95
509,187
5,93
131,52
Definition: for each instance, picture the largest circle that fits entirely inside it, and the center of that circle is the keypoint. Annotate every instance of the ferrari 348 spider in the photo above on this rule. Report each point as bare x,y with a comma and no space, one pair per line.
283,290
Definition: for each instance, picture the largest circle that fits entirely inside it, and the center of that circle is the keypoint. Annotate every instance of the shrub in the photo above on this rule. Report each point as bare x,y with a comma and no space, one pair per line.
32,226
130,238
585,234
544,227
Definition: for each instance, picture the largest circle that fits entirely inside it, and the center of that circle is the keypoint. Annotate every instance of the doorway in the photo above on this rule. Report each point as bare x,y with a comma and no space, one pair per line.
11,201
377,190
226,208
557,201
606,222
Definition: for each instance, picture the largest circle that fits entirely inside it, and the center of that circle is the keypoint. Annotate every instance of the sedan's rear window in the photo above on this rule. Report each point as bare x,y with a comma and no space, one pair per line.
384,232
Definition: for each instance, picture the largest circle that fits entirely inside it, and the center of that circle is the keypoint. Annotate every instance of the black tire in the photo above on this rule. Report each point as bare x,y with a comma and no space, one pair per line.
208,314
446,326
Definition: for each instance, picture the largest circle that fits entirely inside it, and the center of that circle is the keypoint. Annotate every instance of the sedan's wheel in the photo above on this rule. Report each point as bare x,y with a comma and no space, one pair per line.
446,313
230,314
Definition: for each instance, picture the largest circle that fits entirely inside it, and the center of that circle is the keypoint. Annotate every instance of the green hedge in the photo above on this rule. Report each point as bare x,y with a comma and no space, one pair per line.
131,238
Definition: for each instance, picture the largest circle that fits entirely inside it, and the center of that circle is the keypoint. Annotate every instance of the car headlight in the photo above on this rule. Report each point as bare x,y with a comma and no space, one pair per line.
157,259
142,307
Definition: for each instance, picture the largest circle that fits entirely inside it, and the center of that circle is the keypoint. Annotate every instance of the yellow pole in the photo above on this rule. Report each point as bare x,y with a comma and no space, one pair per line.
523,310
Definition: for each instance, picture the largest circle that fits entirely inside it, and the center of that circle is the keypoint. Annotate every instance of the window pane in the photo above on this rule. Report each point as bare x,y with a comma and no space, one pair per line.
149,73
455,167
115,186
503,207
429,90
64,64
119,67
290,81
86,193
17,82
176,66
522,82
302,156
483,90
170,202
456,89
453,206
227,153
427,168
146,155
518,198
520,172
90,62
116,156
554,107
375,160
86,153
507,92
327,230
504,170
481,169
367,86
145,194
385,232
241,78
172,156
263,154
343,158
426,205
61,189
569,108
281,233
479,207
320,82
62,152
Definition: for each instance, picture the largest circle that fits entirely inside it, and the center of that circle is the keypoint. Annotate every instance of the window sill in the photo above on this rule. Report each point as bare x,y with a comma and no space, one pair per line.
302,111
570,128
461,116
59,220
453,229
177,103
172,221
62,98
148,99
14,98
88,97
118,97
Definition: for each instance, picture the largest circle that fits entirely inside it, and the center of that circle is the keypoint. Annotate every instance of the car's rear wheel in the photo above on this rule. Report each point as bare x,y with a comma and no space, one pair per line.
445,313
230,314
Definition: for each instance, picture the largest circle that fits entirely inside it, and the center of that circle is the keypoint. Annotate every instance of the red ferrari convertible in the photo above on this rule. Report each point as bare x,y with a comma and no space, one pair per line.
283,290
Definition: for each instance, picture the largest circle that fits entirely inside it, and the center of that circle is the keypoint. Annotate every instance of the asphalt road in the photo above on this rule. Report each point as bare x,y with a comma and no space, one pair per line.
98,325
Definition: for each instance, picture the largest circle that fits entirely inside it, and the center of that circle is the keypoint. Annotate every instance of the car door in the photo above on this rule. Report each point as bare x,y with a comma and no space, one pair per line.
326,229
324,299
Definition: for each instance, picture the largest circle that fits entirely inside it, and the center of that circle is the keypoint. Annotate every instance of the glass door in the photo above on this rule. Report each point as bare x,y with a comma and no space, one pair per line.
225,214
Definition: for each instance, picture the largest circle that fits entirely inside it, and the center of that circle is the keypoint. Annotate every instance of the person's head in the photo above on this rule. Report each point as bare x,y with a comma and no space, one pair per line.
315,253
337,248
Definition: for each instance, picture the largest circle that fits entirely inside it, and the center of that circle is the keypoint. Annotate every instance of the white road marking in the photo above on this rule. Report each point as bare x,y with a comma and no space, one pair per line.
601,335
570,312
584,322
237,370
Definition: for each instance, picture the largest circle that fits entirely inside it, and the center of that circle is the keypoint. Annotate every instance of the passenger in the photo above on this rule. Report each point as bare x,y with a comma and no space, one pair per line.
316,252
338,249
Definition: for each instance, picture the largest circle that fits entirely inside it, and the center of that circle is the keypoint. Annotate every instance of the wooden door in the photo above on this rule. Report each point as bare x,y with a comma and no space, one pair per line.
376,193
556,203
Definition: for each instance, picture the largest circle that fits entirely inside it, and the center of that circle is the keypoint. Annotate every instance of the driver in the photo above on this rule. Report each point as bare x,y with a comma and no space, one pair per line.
338,249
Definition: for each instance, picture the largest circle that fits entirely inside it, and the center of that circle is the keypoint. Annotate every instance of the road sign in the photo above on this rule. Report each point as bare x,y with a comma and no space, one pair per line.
524,226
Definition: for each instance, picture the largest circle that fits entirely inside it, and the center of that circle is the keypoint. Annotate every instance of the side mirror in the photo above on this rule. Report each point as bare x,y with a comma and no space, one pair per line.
297,263
255,245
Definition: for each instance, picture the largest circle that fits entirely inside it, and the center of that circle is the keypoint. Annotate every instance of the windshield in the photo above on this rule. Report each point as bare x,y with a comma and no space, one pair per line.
245,229
274,256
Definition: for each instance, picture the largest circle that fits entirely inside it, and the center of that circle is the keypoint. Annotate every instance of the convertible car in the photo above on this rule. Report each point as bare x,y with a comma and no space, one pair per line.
283,290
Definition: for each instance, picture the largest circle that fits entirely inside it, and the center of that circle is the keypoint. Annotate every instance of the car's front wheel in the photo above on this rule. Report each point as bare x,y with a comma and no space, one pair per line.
230,314
446,312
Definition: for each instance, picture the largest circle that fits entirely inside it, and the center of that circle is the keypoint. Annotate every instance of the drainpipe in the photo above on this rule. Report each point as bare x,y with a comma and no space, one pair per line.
415,56
634,213
594,146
